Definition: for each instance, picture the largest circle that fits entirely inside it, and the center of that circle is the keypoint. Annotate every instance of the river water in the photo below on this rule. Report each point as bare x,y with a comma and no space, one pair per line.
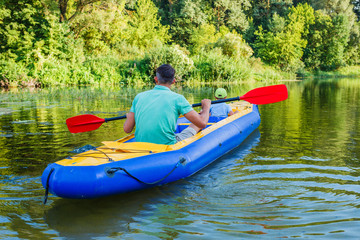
296,177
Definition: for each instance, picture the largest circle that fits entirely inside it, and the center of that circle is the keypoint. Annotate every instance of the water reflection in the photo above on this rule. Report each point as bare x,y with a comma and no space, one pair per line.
100,217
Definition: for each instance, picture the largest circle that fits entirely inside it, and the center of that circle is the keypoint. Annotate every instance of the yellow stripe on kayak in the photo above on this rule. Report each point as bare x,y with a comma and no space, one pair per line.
136,147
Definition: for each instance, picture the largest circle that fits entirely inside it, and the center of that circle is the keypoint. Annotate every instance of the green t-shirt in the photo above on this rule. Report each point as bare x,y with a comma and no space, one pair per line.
156,112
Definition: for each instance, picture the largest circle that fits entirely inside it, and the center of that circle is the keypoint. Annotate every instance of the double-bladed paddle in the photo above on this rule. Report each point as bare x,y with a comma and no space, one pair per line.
259,96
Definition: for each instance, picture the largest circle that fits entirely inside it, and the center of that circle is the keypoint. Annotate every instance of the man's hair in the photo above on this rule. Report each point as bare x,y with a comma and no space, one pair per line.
165,74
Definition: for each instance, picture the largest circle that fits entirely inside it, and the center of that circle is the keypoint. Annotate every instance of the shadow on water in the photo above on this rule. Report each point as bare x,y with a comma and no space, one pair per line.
83,219
113,216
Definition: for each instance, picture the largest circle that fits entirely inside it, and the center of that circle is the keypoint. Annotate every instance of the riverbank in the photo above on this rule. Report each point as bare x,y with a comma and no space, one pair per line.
213,68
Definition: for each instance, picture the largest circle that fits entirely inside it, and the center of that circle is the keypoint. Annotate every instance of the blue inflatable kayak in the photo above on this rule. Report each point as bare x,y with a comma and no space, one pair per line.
126,165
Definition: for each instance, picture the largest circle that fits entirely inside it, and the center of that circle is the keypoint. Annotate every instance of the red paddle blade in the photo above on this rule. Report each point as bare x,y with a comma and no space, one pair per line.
84,123
266,95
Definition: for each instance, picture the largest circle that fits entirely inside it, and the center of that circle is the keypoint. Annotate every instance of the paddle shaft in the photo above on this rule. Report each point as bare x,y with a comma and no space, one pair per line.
218,101
114,118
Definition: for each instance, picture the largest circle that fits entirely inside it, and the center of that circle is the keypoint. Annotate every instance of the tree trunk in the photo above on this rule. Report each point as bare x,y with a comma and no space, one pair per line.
63,8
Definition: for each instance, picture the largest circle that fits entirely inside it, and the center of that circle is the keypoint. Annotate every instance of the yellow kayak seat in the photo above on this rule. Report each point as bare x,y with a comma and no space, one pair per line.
132,147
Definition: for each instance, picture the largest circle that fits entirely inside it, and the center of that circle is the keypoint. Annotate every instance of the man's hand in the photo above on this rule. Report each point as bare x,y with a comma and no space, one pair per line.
199,120
206,104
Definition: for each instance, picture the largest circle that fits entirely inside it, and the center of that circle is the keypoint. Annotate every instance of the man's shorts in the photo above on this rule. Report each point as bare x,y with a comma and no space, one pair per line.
186,133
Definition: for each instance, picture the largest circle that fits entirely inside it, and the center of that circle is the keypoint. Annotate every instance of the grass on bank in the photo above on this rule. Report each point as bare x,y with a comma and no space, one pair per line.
348,71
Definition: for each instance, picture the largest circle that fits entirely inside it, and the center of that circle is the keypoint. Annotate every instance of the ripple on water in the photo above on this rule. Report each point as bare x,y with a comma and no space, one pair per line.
15,188
273,198
41,133
6,135
4,111
23,122
46,123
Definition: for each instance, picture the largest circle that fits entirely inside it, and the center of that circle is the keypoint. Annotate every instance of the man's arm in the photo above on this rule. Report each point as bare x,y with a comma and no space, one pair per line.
199,120
130,122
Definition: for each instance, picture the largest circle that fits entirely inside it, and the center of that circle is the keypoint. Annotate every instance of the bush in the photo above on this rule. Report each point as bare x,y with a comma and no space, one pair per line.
233,45
126,51
215,66
95,70
13,73
173,55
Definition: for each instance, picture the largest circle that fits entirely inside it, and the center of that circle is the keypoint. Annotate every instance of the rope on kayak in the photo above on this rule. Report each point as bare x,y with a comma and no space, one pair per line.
47,186
113,153
91,155
106,156
110,159
115,169
133,150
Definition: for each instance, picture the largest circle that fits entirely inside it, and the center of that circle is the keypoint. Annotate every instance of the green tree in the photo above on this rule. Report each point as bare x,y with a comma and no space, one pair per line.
335,54
185,17
23,25
261,14
144,26
101,25
28,32
352,53
262,11
230,13
282,46
204,35
328,38
339,9
70,9
30,38
303,13
319,35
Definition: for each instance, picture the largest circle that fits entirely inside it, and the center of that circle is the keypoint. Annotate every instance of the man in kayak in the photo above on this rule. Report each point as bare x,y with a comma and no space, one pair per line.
155,112
221,109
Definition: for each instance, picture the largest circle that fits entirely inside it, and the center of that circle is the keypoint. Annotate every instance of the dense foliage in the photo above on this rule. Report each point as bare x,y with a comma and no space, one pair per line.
52,42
